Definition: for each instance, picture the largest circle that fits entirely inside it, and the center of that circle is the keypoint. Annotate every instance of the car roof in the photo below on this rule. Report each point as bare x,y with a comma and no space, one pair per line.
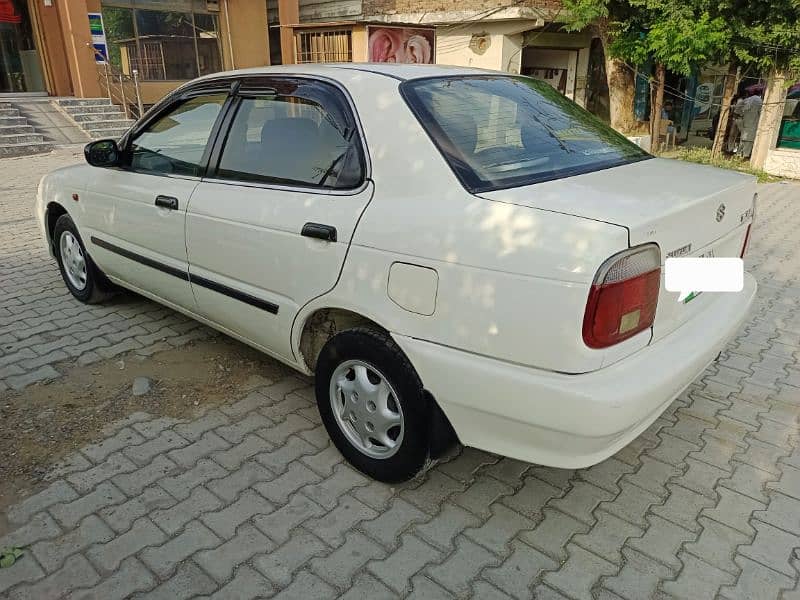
400,72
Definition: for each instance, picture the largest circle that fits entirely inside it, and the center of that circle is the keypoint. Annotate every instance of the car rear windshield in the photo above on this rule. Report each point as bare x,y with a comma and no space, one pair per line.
502,131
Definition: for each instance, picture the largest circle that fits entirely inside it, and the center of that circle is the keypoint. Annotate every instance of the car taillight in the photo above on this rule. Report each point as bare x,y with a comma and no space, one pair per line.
623,298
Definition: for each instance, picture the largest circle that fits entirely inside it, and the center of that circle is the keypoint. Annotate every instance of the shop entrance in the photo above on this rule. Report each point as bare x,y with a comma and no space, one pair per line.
20,68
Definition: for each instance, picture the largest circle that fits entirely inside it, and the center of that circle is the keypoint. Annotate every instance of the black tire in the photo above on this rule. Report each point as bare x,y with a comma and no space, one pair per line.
377,349
97,288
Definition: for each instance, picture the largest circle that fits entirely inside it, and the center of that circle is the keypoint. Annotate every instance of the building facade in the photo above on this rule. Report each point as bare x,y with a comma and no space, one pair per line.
80,47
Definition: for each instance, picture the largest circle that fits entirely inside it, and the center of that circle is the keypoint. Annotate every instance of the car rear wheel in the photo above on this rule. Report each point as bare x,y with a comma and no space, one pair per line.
372,403
82,277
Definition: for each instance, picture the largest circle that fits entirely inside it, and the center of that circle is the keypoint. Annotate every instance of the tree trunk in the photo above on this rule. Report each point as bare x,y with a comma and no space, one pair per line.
621,92
770,120
655,112
725,110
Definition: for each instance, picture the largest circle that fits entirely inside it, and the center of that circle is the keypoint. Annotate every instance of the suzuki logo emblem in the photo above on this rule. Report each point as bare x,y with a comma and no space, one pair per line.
720,212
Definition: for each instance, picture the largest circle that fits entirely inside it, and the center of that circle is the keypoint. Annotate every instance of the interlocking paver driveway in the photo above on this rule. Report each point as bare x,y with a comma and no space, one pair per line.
251,500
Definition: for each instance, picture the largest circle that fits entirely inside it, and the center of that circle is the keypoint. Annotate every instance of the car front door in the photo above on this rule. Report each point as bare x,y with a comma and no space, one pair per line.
268,230
144,242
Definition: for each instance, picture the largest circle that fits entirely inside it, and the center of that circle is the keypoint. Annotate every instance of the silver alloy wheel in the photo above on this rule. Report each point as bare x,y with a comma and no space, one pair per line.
73,260
366,409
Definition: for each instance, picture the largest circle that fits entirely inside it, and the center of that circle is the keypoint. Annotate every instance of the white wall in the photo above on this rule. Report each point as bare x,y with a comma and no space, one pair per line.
504,51
783,162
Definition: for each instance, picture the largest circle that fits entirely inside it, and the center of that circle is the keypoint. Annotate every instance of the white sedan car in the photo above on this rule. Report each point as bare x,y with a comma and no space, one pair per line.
453,253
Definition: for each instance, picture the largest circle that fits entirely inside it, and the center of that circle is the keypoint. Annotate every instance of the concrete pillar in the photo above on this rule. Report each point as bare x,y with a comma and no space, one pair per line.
288,14
582,77
245,37
74,20
769,122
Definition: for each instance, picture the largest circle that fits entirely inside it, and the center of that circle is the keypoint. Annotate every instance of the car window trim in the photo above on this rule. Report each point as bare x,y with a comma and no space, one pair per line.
170,103
225,128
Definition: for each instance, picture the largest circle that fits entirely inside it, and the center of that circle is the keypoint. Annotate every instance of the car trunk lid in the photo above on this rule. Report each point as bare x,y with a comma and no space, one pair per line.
686,208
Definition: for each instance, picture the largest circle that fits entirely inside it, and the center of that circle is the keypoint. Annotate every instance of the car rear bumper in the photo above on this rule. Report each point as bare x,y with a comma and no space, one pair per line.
573,421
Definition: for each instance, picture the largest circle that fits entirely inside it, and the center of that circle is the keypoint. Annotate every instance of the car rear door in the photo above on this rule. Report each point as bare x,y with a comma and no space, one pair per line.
144,241
268,229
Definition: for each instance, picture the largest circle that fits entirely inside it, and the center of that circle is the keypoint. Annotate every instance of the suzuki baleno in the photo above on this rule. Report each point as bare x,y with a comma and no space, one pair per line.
452,253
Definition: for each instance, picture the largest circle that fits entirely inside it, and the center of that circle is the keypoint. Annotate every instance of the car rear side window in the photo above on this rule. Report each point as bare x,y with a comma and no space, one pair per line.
502,131
293,132
175,142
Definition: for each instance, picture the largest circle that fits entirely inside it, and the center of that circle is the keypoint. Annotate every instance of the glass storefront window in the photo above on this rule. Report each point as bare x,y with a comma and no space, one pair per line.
20,69
161,44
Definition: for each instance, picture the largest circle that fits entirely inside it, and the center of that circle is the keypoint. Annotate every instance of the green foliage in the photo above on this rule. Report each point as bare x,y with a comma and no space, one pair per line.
703,156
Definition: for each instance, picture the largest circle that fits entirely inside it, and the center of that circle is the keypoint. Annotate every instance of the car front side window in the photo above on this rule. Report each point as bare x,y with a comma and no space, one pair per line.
175,143
299,132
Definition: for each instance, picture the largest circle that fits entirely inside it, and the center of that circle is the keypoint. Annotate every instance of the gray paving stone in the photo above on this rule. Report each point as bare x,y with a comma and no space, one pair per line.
24,570
717,545
234,433
58,491
531,498
553,533
51,554
280,458
481,494
366,586
756,581
328,492
697,579
113,465
232,458
639,577
397,570
306,585
121,517
683,507
433,492
392,522
208,443
222,560
523,567
457,572
423,588
228,488
225,521
246,584
581,501
70,514
97,453
107,557
577,576
189,581
144,453
773,547
278,525
749,481
632,504
323,462
172,519
75,574
162,560
341,565
181,485
734,510
331,527
280,489
608,536
40,527
280,565
662,541
498,531
134,482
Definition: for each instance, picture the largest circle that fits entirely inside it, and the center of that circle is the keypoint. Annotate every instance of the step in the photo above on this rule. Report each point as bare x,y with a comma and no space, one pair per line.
15,129
9,121
6,105
95,117
110,133
83,102
24,149
9,112
94,108
21,138
110,124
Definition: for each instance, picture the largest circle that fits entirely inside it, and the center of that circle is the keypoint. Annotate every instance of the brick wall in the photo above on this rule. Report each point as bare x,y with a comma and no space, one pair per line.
374,8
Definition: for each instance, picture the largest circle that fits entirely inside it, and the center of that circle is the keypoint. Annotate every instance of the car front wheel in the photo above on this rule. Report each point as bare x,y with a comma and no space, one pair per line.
372,404
83,279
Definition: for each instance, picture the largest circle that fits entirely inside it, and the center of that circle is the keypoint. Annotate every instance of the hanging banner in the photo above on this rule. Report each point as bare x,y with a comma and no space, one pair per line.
98,37
401,44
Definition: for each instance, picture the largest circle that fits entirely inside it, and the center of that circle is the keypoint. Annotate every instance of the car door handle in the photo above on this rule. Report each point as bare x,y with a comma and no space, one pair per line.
167,202
319,231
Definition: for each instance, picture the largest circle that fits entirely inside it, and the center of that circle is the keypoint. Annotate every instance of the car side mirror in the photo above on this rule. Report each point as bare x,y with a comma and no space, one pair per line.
102,153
